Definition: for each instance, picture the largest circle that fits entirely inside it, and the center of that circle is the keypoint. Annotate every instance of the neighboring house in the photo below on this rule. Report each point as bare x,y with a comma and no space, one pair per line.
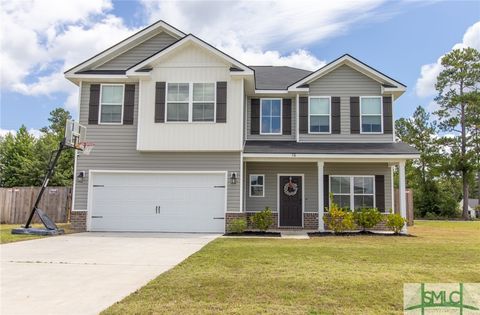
473,207
188,138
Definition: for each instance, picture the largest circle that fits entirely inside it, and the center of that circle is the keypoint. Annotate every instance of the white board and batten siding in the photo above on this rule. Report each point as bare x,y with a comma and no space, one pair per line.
190,64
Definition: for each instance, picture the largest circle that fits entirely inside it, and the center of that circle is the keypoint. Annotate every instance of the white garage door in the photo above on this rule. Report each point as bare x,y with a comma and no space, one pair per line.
158,202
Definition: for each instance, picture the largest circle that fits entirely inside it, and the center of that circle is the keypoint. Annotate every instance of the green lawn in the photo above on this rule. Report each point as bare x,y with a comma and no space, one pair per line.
329,275
7,237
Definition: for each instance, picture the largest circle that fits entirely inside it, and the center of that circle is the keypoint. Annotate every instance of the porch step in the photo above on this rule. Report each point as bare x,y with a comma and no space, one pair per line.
298,235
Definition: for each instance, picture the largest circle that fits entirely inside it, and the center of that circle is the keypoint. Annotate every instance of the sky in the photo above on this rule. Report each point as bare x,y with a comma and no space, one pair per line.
40,39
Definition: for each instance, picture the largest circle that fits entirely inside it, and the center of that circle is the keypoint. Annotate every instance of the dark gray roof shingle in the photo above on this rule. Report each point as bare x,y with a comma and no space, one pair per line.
291,147
277,78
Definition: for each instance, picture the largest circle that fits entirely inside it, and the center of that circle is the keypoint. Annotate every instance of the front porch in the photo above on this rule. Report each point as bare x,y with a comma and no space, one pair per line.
296,187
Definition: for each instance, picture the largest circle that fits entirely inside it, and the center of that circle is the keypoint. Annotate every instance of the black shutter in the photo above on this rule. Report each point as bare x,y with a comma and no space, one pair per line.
221,102
326,192
335,114
287,116
387,115
354,114
380,192
128,104
255,116
303,114
93,105
160,102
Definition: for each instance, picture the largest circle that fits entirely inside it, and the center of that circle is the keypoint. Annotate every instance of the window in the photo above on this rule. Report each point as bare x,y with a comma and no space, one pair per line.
271,116
340,187
178,96
111,103
319,115
257,186
353,192
371,114
203,101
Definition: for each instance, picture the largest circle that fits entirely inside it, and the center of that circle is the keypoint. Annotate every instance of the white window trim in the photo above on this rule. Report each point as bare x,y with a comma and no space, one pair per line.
250,186
281,116
329,116
100,104
352,189
190,104
381,116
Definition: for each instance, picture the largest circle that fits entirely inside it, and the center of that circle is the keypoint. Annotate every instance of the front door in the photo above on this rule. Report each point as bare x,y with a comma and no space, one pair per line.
290,191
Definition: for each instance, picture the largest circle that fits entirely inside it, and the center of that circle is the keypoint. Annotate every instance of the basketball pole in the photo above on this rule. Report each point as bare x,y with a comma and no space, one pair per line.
51,169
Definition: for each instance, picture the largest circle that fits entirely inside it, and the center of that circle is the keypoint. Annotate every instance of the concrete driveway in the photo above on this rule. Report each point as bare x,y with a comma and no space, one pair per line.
87,272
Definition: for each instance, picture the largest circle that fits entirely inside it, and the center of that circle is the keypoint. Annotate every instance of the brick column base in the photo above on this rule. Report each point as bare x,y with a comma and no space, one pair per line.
78,220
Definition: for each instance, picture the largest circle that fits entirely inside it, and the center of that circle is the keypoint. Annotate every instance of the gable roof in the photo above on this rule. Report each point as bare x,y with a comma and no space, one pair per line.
355,64
240,68
277,77
115,48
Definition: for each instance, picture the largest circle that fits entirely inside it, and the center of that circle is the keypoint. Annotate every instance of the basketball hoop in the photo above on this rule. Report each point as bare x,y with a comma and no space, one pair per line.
85,147
75,137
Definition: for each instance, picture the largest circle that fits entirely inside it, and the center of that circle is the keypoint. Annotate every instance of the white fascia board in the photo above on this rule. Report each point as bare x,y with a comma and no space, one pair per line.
331,157
271,91
377,76
108,51
95,76
183,41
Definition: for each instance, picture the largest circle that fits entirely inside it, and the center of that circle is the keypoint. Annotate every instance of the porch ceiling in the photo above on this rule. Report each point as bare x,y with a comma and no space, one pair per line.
296,148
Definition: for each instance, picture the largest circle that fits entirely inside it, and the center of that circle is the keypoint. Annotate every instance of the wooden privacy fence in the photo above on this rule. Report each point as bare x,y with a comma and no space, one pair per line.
396,207
17,202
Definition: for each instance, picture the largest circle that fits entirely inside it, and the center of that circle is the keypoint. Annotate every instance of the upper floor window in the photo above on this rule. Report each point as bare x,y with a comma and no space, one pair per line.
319,115
187,102
178,99
203,101
271,116
111,103
371,114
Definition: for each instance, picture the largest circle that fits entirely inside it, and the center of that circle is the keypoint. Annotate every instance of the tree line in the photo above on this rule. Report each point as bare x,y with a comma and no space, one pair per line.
447,171
24,158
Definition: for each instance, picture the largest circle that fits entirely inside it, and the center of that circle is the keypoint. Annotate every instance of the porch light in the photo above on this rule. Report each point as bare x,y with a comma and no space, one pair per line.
233,178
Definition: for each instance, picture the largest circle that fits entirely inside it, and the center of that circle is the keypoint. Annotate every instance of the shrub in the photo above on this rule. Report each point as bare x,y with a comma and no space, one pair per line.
263,220
238,226
395,222
368,218
338,219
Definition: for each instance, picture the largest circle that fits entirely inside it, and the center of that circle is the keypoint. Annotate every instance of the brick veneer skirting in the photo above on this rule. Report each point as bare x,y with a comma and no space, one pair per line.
310,220
78,220
379,227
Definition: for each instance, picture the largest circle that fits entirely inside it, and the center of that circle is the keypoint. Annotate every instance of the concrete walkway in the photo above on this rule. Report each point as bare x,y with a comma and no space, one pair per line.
87,272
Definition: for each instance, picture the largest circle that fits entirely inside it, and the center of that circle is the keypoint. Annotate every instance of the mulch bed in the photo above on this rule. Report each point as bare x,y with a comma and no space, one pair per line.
355,233
255,233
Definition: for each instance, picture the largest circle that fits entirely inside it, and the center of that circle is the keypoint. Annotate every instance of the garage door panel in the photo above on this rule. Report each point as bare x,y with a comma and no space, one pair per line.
158,202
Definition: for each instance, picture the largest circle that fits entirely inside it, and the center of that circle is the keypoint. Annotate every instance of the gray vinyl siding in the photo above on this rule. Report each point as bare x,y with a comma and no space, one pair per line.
291,137
345,82
364,169
271,171
310,171
115,149
138,53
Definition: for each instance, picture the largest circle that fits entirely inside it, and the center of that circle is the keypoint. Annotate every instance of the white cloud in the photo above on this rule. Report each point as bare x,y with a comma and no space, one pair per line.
425,86
243,30
46,37
34,132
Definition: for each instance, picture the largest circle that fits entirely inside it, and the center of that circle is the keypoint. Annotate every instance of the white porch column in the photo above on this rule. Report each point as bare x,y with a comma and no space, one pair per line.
321,226
402,193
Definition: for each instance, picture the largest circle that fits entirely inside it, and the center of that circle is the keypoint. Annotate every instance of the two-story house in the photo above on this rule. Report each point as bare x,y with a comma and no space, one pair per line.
188,138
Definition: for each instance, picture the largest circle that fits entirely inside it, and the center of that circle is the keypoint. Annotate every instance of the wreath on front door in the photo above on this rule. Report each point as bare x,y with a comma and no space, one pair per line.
290,188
